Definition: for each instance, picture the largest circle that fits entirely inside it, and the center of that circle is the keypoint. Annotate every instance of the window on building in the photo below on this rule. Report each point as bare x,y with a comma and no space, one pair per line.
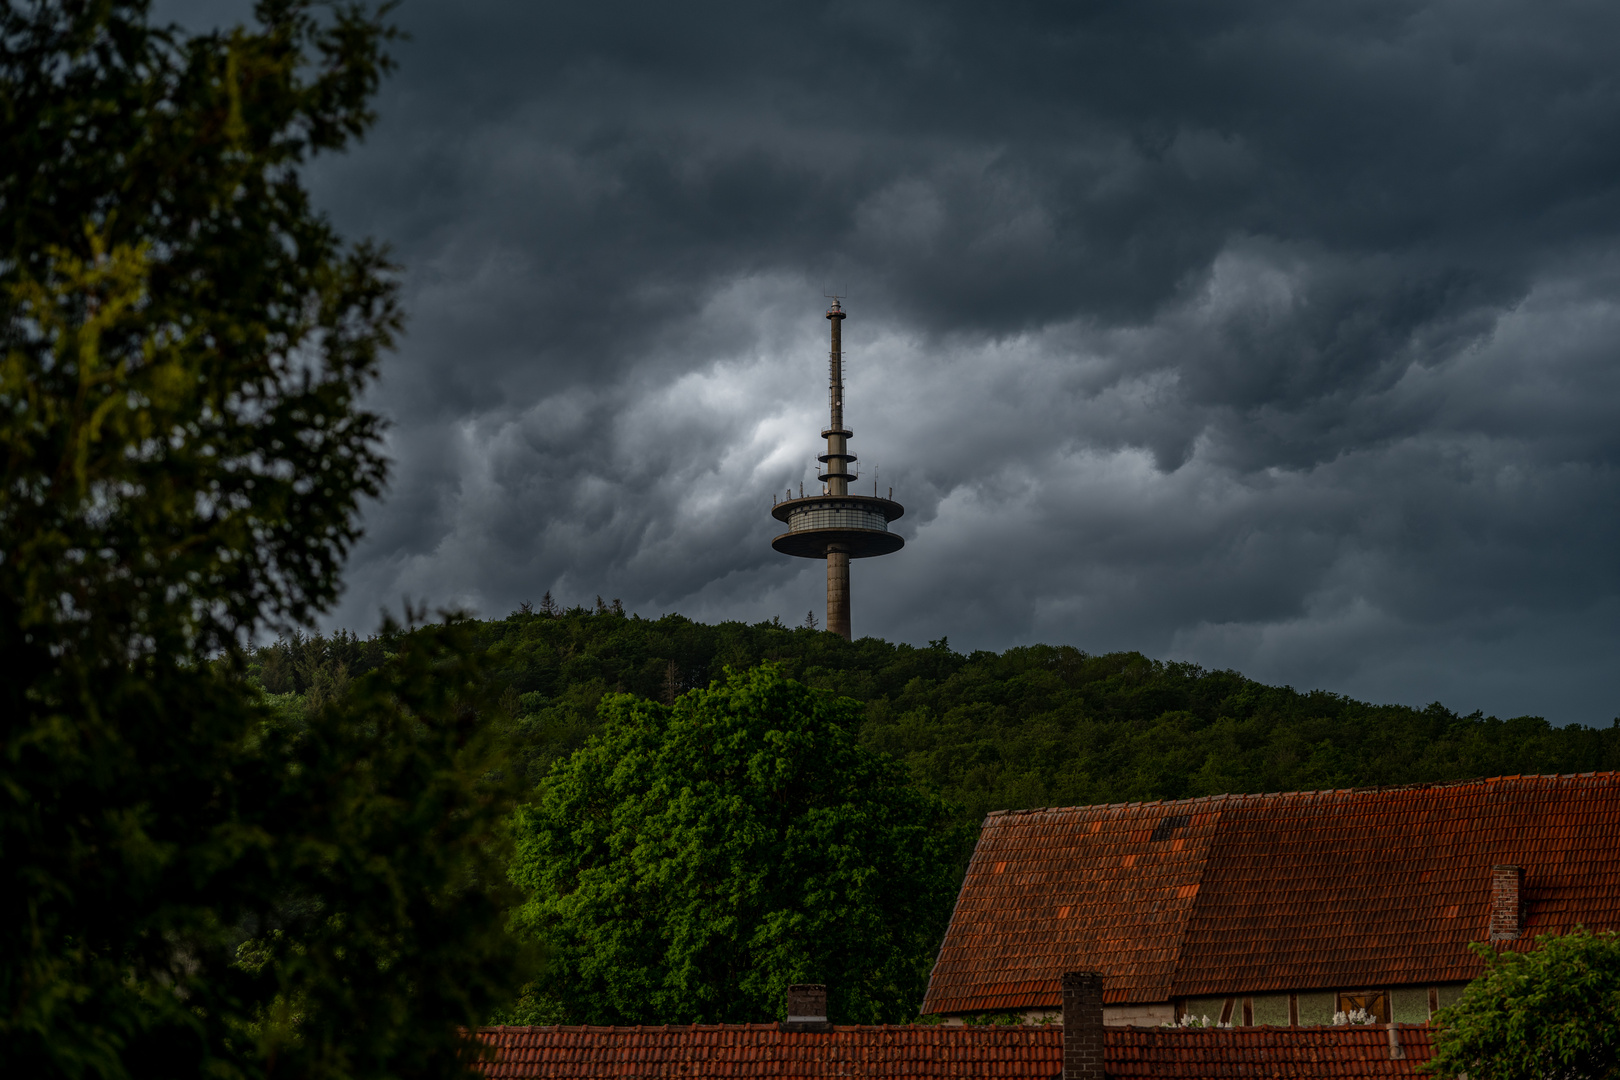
1168,827
1271,1009
1409,1005
1316,1008
1375,1002
1202,1007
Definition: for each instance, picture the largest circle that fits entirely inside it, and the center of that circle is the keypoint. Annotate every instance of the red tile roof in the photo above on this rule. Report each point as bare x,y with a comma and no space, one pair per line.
762,1051
1255,893
1281,1053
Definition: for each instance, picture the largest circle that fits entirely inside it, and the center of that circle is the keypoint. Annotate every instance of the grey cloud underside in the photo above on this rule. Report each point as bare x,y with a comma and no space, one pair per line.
1280,336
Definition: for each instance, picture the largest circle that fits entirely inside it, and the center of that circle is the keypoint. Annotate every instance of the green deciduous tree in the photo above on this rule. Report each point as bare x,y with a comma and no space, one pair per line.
1549,1014
189,885
690,862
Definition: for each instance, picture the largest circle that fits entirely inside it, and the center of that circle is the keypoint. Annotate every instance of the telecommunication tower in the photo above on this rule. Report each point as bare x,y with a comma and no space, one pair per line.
836,525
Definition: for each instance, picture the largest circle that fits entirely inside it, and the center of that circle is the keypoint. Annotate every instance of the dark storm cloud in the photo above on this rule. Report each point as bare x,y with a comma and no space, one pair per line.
1278,335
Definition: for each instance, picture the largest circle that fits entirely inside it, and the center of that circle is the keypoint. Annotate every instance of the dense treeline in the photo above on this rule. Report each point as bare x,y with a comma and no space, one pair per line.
1034,726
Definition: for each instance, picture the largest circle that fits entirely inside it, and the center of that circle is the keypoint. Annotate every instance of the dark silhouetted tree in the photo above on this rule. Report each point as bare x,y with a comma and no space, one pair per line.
192,885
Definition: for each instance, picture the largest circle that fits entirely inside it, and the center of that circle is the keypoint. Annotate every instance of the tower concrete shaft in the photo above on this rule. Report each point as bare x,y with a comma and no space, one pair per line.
838,593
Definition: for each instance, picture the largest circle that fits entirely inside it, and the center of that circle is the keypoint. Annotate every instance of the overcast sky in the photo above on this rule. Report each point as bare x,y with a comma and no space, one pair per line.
1274,336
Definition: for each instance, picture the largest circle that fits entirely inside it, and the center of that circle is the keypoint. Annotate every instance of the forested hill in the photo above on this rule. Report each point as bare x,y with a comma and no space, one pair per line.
1041,725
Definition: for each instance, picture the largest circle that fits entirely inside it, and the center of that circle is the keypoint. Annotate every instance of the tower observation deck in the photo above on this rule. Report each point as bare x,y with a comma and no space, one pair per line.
836,525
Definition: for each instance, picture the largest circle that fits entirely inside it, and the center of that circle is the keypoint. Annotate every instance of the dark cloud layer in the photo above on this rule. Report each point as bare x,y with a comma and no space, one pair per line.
1273,335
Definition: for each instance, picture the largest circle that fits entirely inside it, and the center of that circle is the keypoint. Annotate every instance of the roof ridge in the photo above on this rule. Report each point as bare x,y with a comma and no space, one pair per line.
1116,805
1416,785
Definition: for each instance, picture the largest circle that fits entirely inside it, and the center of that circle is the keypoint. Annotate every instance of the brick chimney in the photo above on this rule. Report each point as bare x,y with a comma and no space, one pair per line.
1507,903
1082,1025
807,1007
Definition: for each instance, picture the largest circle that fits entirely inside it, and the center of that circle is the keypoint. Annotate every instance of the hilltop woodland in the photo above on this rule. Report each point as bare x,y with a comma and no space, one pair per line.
1034,726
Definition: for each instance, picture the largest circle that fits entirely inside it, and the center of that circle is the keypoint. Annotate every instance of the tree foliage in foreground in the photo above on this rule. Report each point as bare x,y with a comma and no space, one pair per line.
1552,1013
691,861
192,883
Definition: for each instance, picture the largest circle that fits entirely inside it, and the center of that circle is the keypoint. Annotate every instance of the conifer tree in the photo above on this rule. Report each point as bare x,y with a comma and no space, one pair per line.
191,884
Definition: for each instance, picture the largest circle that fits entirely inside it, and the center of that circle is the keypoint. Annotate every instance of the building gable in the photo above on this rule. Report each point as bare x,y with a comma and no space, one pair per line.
1048,891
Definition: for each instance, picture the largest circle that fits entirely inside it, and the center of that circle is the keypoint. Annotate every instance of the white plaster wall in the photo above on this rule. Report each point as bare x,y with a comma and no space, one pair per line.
1113,1015
1162,1012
